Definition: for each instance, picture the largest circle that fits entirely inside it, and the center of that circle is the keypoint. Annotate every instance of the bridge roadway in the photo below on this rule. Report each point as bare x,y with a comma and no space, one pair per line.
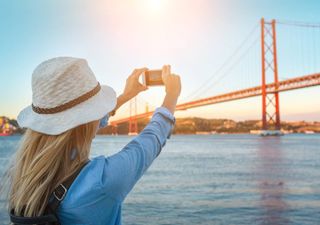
285,85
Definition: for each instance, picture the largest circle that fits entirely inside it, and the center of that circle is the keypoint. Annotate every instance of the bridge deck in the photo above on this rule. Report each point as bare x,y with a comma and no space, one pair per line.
285,85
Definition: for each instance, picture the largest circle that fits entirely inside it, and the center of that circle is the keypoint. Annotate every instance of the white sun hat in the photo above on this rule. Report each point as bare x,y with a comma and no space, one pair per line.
65,94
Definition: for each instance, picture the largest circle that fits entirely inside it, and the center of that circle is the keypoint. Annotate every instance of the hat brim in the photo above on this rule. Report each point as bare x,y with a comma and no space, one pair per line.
92,109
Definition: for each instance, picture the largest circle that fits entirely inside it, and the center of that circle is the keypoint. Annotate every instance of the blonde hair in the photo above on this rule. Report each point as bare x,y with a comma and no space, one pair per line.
45,161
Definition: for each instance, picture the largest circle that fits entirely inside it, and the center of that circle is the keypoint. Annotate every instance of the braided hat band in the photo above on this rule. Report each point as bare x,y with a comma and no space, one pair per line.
69,104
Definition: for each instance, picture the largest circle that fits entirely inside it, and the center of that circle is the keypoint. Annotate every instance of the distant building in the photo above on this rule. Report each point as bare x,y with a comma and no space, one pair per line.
229,124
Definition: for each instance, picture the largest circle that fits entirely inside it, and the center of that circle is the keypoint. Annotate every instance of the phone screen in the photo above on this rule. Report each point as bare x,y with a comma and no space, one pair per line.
153,77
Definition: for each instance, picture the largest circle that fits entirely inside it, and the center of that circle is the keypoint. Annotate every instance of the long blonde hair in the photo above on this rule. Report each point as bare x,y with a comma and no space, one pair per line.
43,162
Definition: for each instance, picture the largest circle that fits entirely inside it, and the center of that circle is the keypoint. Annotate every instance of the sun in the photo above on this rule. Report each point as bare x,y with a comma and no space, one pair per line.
155,5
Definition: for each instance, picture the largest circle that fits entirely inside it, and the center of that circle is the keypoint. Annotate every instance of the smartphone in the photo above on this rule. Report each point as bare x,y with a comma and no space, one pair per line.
153,78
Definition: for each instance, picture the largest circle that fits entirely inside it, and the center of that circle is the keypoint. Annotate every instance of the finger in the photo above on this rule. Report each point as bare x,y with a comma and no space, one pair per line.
140,70
166,70
137,72
142,87
164,73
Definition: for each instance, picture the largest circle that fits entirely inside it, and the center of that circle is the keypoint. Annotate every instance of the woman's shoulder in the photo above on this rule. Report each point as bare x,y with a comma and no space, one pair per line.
95,164
87,184
95,167
97,159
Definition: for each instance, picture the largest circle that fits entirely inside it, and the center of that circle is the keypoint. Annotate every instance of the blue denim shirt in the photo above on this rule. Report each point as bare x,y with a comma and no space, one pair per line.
96,195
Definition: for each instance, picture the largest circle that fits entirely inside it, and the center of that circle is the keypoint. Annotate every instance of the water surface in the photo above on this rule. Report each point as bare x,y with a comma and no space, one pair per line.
219,179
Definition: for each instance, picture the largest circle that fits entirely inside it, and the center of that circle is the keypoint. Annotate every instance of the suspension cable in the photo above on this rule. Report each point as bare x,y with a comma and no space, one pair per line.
207,82
298,23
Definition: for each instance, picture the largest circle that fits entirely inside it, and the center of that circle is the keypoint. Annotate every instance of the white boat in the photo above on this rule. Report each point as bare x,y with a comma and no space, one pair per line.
309,132
265,133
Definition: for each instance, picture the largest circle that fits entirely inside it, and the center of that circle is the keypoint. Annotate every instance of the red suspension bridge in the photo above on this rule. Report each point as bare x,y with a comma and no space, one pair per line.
270,85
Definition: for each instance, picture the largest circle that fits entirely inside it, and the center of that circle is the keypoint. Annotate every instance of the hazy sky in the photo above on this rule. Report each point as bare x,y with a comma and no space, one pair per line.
194,36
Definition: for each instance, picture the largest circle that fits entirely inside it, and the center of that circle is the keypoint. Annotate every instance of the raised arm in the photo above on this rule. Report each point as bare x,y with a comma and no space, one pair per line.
126,167
133,88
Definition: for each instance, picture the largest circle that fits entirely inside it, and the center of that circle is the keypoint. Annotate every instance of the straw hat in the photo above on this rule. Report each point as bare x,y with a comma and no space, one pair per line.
65,94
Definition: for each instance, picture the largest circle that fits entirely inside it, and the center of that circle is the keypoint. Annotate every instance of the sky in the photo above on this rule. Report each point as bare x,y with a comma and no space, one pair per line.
196,37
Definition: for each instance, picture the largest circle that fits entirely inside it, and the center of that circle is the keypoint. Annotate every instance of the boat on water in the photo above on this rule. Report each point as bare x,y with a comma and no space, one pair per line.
4,134
6,128
309,132
265,133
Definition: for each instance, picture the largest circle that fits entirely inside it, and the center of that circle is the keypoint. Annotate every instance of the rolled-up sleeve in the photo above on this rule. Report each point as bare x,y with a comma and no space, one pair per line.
124,169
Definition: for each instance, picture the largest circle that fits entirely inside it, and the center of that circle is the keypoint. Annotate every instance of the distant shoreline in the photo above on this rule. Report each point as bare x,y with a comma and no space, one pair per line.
123,135
198,126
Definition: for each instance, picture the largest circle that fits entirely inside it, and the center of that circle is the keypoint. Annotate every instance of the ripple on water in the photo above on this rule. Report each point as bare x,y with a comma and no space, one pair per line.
220,179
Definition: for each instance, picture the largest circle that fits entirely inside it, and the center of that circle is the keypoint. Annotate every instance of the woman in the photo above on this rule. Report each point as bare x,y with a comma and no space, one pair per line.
68,107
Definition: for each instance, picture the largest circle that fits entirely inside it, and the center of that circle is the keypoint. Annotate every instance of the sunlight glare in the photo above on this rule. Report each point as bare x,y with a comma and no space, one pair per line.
155,5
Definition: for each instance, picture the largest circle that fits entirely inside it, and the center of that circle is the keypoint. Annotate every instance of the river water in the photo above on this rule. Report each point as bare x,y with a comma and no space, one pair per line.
219,179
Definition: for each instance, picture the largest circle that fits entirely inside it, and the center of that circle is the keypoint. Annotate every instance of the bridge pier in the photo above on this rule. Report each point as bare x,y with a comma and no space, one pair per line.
270,98
133,127
114,129
133,122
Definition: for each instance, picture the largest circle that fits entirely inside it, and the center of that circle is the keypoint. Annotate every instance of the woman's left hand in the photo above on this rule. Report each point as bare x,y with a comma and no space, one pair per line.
133,86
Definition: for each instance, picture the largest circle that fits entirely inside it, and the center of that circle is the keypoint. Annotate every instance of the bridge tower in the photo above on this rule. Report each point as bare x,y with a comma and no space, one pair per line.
133,123
270,99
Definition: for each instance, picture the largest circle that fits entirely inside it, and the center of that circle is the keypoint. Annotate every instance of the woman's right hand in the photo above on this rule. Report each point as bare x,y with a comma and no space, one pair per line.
171,81
173,88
